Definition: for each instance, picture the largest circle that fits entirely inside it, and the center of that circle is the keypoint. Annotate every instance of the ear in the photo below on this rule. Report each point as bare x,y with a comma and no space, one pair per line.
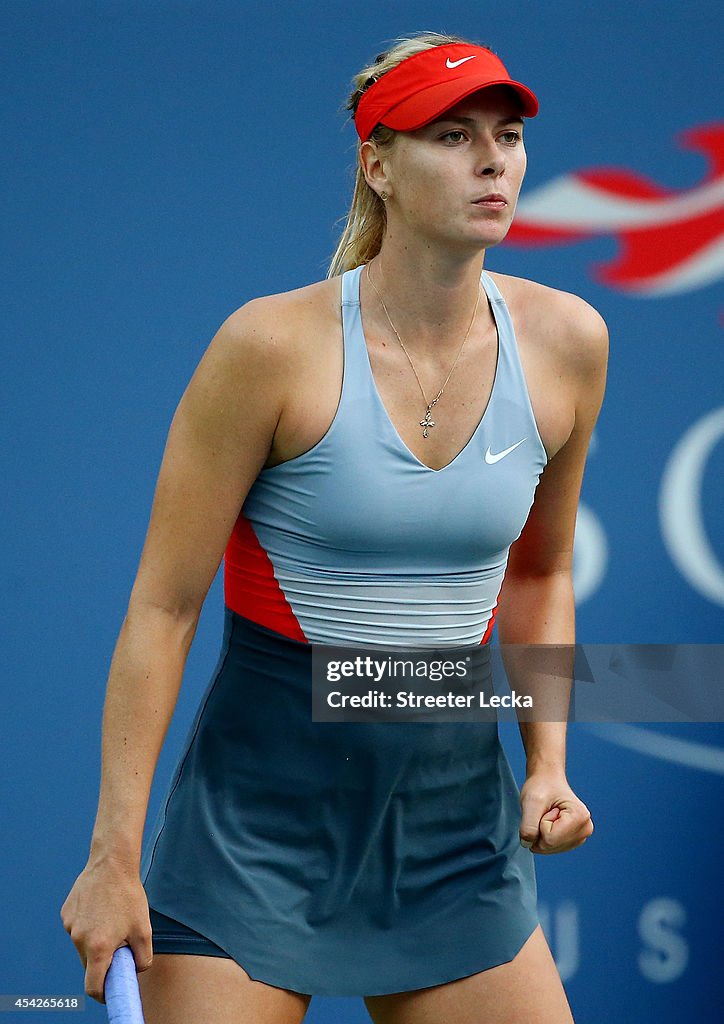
375,167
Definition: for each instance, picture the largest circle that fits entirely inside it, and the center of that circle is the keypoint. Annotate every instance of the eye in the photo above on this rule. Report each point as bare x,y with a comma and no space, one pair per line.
512,136
455,131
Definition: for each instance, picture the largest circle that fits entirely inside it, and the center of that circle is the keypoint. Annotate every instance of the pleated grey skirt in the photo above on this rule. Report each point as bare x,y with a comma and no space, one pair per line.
341,859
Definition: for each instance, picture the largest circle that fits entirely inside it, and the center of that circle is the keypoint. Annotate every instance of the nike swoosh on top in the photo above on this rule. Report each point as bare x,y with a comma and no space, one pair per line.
456,63
492,459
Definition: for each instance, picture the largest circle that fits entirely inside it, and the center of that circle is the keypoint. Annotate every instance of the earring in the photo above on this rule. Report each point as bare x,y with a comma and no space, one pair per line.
384,197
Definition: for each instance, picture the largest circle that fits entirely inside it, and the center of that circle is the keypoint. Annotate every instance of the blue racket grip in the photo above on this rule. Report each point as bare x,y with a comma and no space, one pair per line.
123,1000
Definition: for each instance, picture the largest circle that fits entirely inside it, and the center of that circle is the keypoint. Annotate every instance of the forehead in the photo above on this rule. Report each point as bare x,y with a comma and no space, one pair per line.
494,100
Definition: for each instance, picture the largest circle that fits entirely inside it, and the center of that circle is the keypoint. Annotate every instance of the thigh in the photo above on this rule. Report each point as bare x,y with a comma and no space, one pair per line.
527,990
180,988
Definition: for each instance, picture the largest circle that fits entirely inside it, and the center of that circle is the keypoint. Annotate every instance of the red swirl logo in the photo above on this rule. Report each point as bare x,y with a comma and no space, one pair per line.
669,241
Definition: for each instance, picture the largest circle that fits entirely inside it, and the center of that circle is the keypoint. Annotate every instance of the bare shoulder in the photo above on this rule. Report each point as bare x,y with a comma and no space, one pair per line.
274,327
254,358
570,328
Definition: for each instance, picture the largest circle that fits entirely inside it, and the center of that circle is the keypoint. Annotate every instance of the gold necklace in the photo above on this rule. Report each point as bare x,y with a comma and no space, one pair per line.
428,421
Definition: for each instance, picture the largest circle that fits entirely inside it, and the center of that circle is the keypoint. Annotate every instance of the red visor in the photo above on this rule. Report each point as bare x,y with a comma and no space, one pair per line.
425,85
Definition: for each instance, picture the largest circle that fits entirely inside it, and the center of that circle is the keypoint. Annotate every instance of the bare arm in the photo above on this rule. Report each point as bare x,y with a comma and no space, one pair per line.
536,602
219,439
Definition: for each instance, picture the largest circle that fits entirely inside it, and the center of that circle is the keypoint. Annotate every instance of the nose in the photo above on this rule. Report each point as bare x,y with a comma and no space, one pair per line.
491,160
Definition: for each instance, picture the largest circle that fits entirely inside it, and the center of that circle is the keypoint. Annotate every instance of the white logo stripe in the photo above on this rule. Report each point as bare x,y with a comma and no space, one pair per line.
456,63
568,202
492,459
666,748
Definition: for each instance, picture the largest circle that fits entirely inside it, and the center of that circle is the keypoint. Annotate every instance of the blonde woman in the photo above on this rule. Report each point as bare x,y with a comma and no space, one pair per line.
390,456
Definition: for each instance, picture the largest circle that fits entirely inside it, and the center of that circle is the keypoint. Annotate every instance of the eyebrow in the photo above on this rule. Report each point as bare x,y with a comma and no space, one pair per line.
514,118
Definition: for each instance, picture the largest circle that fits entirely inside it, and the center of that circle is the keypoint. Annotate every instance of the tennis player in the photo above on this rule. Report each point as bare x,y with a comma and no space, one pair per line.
390,456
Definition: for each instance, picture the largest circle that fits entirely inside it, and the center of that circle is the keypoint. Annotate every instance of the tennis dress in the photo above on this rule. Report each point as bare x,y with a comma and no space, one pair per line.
357,858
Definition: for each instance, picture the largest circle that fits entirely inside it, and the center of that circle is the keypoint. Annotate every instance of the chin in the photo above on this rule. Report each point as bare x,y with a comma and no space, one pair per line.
497,233
482,236
490,239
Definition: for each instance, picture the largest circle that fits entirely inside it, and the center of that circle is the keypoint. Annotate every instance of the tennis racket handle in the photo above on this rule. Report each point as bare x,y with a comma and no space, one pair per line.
123,1000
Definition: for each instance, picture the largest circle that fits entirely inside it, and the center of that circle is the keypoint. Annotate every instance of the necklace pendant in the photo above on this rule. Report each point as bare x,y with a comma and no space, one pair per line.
427,422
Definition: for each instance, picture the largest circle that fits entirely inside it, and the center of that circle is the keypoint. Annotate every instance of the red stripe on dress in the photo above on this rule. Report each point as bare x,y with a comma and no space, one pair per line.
491,623
250,587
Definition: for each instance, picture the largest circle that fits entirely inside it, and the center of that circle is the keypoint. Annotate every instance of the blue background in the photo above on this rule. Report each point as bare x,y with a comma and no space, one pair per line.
164,163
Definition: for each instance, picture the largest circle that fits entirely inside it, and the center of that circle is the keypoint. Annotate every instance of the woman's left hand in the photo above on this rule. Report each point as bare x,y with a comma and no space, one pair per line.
553,819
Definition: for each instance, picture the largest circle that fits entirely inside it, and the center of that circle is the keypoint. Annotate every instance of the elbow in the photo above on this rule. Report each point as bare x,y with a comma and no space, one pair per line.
180,618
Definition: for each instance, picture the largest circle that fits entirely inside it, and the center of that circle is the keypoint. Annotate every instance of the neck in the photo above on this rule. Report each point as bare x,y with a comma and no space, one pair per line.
430,297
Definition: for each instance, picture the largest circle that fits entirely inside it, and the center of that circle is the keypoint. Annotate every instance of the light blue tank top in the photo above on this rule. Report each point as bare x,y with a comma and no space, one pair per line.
356,541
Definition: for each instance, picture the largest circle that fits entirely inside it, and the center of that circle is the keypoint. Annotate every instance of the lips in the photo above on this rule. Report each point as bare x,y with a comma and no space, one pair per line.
493,199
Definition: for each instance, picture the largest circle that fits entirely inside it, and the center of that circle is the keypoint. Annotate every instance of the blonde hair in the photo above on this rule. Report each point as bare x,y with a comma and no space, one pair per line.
361,239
